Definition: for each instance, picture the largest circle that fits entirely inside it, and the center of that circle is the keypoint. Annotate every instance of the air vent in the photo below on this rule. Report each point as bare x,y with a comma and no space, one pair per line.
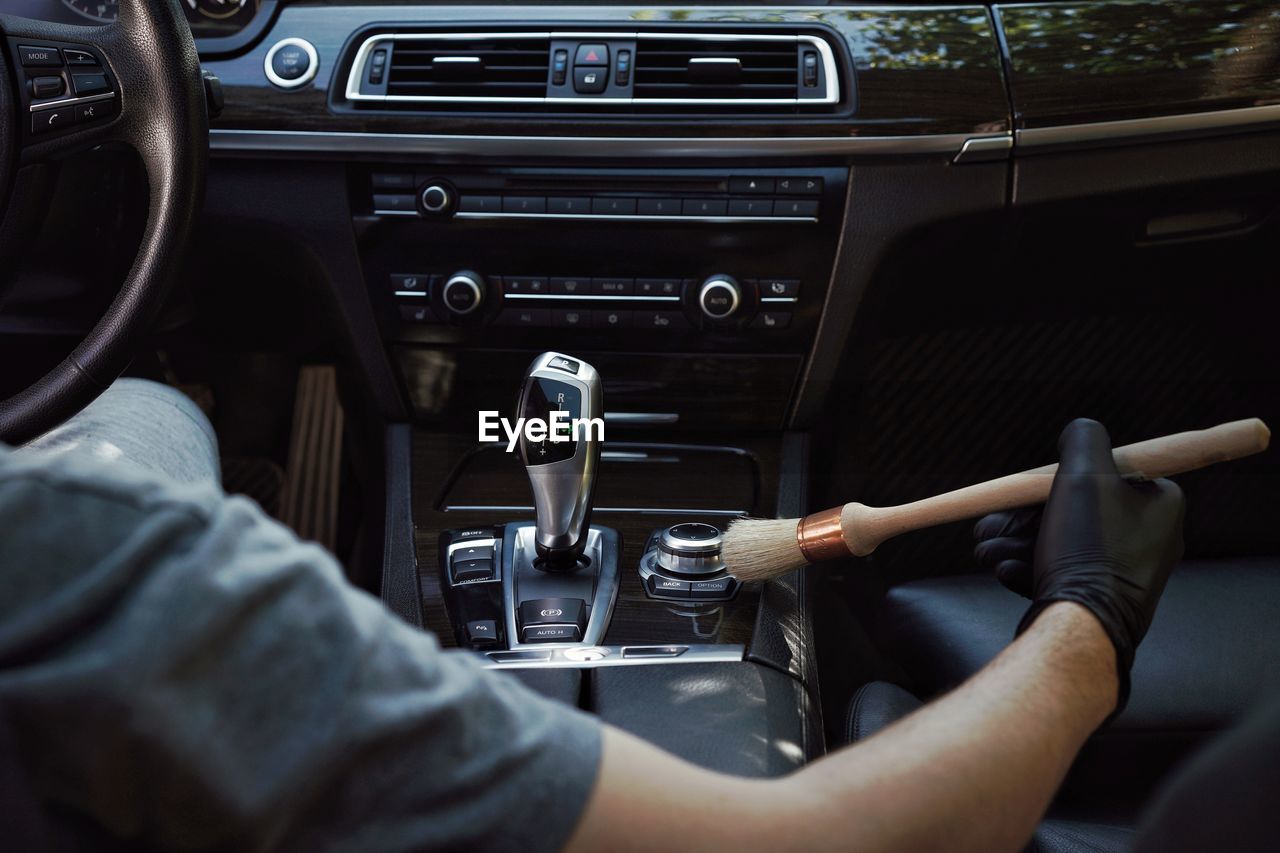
607,70
480,67
681,69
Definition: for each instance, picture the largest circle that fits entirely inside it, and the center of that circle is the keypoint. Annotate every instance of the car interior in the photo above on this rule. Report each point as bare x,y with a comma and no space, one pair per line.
789,256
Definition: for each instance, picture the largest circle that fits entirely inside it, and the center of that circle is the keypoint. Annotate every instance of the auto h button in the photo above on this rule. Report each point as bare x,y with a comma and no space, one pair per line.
553,620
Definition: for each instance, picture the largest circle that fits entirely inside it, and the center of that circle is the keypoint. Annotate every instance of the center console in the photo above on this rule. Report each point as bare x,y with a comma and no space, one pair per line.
660,199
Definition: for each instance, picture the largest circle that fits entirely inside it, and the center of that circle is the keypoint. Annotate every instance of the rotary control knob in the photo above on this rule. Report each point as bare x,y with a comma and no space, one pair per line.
690,549
463,293
437,199
720,298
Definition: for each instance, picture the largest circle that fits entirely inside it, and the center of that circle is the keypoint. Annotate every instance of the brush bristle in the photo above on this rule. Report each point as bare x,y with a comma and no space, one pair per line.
757,549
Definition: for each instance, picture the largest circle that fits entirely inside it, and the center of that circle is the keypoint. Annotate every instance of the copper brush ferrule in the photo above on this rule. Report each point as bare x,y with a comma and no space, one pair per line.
820,536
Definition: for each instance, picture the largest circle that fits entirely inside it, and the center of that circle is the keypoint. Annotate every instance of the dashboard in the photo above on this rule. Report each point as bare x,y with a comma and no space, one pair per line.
210,19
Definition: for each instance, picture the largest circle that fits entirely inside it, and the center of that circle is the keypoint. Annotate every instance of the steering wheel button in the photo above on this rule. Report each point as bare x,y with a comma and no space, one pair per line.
79,57
47,121
95,111
35,56
90,84
47,87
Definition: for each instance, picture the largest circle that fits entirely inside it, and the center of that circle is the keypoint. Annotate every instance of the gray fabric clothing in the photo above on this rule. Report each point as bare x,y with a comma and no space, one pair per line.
144,424
188,675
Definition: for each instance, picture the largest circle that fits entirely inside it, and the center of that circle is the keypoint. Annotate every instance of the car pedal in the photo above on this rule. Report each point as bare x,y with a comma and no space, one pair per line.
313,471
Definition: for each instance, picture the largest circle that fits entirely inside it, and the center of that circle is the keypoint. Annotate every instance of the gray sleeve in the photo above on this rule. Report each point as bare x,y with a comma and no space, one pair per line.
186,673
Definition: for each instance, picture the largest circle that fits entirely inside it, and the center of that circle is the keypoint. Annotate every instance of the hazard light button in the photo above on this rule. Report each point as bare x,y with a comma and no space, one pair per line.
592,54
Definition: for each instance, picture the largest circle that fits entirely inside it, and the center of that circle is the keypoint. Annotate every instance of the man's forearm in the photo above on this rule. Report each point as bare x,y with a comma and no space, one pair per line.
973,771
976,770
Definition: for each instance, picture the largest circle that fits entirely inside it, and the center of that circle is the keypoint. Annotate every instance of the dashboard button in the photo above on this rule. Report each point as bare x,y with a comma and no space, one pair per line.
48,121
480,204
795,208
612,286
526,317
395,203
800,186
750,185
569,206
472,570
659,207
718,588
663,321
571,286
37,56
592,53
809,186
614,206
90,84
409,281
668,588
524,284
472,552
779,287
551,634
416,314
772,320
590,81
291,63
657,287
610,319
705,207
482,632
750,207
570,318
524,204
393,181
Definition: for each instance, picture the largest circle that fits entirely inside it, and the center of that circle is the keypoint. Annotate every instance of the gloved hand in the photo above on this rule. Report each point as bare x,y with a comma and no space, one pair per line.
1100,541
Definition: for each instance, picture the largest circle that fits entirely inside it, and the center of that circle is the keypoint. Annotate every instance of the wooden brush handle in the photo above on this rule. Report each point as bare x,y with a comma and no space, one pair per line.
863,527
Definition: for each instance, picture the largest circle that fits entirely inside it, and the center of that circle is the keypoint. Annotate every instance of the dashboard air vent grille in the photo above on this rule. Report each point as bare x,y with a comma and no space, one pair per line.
489,68
688,69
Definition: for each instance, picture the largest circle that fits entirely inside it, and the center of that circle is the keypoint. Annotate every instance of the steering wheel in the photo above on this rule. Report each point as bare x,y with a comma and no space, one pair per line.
148,59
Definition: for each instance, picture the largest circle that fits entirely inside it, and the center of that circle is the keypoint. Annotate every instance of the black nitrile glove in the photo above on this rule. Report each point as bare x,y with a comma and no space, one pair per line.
1101,541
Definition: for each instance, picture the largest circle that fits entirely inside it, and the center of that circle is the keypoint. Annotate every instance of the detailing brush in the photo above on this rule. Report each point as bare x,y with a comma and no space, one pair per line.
759,549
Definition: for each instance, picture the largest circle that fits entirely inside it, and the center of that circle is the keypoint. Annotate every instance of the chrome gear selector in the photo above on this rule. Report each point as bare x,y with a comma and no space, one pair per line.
565,394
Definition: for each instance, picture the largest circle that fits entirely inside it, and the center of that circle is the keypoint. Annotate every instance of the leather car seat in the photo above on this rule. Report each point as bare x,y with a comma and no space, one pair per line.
1210,655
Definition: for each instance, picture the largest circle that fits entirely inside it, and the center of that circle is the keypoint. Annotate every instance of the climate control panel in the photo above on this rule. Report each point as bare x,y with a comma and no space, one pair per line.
598,302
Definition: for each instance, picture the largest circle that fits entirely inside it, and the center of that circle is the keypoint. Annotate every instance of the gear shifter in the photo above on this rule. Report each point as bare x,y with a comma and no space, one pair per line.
562,467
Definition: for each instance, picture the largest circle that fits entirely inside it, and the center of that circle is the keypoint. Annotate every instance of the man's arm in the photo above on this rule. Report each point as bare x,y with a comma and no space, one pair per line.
972,771
975,770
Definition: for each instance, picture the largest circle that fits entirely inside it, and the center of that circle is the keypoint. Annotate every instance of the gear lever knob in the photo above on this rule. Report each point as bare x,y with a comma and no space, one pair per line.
562,467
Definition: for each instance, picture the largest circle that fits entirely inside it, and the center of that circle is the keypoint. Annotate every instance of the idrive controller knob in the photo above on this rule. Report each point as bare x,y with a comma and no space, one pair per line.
690,549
